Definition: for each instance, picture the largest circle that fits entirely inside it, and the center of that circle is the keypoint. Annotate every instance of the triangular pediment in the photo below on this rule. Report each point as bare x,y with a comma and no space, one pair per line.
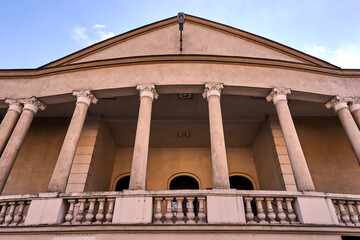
200,37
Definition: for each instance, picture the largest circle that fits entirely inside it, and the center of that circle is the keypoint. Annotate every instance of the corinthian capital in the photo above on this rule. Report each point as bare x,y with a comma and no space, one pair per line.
338,103
212,89
147,90
278,94
354,104
85,96
33,104
14,105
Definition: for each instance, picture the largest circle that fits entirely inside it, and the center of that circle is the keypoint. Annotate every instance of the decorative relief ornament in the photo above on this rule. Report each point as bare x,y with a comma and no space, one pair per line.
354,104
85,96
338,103
14,105
33,104
147,90
212,89
278,94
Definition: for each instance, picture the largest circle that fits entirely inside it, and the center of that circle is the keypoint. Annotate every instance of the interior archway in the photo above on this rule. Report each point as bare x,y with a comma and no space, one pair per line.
240,183
183,182
123,183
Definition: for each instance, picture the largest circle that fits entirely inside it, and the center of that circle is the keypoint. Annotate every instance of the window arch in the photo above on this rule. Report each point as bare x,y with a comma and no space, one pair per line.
122,183
183,181
240,181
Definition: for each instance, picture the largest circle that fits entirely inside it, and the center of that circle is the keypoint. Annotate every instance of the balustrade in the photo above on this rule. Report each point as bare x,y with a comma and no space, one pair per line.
270,210
89,211
347,211
13,213
179,210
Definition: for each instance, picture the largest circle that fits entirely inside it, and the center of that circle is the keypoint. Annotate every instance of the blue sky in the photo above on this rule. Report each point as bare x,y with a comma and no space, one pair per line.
36,32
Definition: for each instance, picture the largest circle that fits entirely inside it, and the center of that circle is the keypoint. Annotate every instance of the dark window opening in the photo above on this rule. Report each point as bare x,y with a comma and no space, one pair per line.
183,182
241,183
122,183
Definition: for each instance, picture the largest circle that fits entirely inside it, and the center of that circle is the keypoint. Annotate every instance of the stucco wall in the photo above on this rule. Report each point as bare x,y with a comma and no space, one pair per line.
35,163
163,163
102,161
266,161
331,161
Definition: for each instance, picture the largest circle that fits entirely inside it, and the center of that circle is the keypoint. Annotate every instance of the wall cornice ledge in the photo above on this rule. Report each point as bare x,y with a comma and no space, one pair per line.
171,59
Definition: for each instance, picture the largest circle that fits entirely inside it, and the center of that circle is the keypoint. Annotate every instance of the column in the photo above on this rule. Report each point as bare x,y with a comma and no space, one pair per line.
297,159
220,171
31,106
9,121
62,169
341,108
355,109
141,147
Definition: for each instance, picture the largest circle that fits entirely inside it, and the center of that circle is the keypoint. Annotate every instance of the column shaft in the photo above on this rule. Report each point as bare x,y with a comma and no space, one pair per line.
8,124
356,115
297,159
220,170
141,147
352,131
63,165
13,146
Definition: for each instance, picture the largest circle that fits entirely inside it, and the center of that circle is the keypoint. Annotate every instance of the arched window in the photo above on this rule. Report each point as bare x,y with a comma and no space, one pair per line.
122,183
183,182
241,183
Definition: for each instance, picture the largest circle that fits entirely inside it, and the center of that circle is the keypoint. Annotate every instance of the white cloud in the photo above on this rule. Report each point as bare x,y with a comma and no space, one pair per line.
86,37
345,56
98,26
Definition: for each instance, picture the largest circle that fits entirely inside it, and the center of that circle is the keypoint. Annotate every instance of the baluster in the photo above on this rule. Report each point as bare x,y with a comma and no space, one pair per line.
4,206
271,213
10,215
291,212
281,214
249,212
344,215
261,215
168,214
70,214
358,211
201,212
337,211
158,214
100,213
90,214
80,215
353,216
190,211
180,211
109,214
19,214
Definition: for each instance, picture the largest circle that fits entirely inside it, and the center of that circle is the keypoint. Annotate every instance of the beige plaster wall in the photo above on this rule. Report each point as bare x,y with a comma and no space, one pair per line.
164,163
266,160
35,163
196,40
102,160
331,161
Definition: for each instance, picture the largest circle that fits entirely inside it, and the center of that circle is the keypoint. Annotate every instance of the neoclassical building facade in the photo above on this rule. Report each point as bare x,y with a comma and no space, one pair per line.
184,128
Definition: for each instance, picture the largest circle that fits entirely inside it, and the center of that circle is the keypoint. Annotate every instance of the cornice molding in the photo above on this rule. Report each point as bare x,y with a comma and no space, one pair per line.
166,59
